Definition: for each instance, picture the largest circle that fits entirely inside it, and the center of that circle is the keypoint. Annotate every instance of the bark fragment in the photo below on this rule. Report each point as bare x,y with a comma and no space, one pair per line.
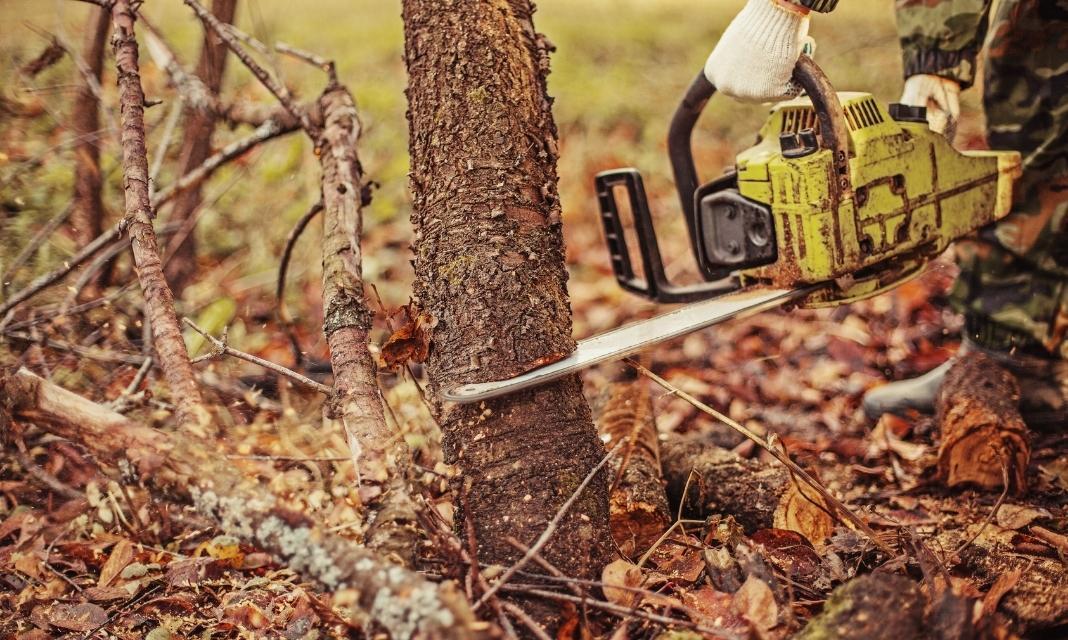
159,301
877,606
984,438
403,602
638,505
489,263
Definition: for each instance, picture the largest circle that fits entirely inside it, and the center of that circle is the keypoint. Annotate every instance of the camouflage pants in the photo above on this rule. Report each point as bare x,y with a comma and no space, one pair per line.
1013,286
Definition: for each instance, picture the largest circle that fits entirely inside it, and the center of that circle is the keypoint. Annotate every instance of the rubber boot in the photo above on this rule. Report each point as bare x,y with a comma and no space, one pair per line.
1043,388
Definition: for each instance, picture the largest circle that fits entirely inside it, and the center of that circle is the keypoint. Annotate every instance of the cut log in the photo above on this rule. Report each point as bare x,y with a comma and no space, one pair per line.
758,495
639,512
403,602
876,606
984,439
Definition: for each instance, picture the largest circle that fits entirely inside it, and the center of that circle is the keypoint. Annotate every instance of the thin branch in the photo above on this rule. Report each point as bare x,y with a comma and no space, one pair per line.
287,253
843,511
169,344
543,539
266,131
221,348
265,78
327,66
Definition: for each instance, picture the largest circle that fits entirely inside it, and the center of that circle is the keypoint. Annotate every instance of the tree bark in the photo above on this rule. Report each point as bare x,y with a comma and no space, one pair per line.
489,262
403,602
87,209
196,145
159,301
984,438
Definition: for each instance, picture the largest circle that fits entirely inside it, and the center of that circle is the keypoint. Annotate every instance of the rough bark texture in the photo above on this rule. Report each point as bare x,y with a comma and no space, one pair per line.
877,606
404,603
346,318
983,436
196,144
758,495
489,261
87,209
376,449
159,302
638,504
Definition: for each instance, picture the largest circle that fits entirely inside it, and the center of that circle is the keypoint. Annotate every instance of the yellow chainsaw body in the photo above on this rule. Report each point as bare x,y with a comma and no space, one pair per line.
909,193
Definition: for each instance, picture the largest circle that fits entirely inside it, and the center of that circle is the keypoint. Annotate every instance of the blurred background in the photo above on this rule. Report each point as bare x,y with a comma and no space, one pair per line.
619,67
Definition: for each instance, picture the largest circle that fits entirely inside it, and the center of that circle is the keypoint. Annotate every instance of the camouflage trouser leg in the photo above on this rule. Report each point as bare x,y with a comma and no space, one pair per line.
1013,287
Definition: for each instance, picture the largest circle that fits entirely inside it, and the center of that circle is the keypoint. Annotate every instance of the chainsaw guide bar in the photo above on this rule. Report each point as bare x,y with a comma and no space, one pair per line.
636,337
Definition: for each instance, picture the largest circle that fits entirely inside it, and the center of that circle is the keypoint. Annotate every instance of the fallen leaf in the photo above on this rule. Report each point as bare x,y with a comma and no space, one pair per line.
790,552
679,558
410,343
1017,516
715,609
802,510
84,616
621,573
121,555
756,602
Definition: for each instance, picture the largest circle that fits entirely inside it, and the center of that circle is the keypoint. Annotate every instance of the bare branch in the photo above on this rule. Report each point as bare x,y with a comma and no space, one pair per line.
278,90
222,348
169,345
327,66
405,603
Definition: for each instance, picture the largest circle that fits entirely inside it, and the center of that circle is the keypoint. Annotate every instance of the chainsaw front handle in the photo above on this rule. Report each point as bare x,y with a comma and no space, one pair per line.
834,135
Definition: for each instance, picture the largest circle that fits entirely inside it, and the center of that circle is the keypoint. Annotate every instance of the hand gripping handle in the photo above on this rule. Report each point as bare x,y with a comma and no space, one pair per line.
834,135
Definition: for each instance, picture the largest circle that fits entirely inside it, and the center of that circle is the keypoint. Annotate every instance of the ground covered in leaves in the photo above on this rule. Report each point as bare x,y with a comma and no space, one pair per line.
88,554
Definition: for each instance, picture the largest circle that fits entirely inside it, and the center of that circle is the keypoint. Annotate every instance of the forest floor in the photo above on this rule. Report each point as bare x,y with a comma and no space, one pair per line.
82,554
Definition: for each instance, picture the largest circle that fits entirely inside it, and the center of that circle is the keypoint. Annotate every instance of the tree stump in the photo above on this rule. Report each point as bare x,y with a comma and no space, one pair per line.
709,480
984,438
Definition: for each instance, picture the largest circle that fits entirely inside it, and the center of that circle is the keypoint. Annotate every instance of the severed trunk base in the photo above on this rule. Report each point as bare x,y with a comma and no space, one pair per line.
639,512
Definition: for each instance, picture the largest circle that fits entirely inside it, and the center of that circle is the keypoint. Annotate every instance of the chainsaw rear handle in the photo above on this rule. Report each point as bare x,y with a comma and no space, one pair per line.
834,135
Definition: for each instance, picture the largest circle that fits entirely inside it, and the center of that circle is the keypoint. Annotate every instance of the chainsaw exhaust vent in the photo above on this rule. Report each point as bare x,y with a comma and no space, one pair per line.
859,115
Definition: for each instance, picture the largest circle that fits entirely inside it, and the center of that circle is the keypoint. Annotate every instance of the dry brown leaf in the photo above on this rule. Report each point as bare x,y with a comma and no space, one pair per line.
121,555
679,558
621,573
802,510
715,609
410,343
1018,516
84,616
756,602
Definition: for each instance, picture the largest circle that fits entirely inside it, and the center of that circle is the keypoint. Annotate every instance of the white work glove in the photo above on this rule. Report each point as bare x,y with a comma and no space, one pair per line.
755,59
940,95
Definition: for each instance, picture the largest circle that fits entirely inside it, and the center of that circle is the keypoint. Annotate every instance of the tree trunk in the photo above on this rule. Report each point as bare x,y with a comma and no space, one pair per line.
87,212
196,146
489,261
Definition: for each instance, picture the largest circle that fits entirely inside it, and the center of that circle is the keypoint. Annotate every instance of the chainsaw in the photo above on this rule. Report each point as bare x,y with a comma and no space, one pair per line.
839,200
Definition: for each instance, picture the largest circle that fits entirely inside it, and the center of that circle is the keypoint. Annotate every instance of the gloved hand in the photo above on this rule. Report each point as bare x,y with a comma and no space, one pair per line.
755,58
940,95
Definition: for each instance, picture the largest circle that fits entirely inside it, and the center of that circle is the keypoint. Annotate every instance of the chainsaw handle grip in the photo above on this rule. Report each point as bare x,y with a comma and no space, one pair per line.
834,135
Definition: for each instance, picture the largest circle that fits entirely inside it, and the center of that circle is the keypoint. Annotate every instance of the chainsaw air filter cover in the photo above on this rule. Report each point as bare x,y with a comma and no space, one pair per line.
735,232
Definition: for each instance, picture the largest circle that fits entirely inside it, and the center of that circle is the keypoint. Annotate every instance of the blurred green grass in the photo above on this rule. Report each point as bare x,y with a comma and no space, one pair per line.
619,67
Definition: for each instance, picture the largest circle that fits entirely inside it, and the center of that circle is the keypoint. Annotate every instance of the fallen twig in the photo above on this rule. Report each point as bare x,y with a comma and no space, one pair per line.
843,511
221,348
